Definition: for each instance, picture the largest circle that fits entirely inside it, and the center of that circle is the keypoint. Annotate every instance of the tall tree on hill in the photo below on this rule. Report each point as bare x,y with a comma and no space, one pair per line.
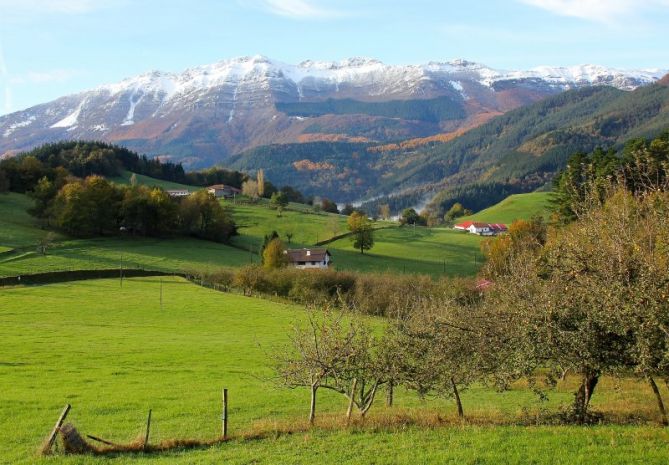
362,231
279,201
260,179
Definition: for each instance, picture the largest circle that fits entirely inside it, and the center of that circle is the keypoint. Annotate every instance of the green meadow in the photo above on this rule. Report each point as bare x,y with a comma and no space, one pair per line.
514,207
114,353
420,250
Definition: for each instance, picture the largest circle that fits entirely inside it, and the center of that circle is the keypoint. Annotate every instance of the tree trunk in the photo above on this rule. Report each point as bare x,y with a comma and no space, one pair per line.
389,394
370,401
458,401
660,404
312,409
583,396
350,400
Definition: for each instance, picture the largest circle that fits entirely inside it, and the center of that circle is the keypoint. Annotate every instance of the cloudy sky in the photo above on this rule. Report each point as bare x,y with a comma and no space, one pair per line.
50,48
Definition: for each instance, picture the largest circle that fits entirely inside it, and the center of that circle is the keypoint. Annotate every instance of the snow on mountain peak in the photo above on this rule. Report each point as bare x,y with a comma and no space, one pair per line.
259,68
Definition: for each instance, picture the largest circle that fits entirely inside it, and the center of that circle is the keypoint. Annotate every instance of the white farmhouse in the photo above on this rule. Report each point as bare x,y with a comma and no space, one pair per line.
309,258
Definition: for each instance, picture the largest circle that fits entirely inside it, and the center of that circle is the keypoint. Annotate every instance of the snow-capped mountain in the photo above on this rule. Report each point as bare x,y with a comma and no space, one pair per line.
209,112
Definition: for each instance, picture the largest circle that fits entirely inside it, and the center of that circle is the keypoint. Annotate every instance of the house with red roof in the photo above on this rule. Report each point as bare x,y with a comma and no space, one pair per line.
481,229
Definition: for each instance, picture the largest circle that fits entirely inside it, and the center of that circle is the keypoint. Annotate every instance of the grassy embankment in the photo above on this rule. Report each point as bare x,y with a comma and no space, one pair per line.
113,353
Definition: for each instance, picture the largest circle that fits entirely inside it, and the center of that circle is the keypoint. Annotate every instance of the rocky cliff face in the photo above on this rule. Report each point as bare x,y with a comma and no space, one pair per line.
205,114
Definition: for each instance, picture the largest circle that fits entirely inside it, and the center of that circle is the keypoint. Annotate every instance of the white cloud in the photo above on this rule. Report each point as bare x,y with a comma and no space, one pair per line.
596,10
300,9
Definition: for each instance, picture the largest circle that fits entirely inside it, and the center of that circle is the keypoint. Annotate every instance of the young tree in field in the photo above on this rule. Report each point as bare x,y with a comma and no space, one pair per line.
442,350
45,243
274,254
279,201
318,356
333,226
362,232
289,236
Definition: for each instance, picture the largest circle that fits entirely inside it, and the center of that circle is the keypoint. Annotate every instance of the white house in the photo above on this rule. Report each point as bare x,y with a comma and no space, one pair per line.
178,192
482,229
309,258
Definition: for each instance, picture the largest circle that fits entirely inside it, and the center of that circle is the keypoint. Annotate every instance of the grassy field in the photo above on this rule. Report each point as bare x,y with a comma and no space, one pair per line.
433,251
113,353
20,230
256,221
519,206
148,181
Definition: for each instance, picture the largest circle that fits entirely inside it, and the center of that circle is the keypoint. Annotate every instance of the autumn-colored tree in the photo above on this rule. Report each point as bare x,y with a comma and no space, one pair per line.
384,211
274,254
250,189
260,180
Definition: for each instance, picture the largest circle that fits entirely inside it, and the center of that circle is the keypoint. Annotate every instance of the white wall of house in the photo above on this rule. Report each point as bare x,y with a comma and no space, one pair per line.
309,264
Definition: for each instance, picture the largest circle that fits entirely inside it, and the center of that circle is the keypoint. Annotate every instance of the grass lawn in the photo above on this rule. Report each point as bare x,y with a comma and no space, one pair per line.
148,181
256,221
433,251
514,207
114,354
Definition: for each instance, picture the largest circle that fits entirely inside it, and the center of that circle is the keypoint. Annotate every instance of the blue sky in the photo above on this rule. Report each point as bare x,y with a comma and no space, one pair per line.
50,48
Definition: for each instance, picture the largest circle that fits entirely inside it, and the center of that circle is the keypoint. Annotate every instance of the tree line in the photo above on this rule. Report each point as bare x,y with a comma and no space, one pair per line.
95,207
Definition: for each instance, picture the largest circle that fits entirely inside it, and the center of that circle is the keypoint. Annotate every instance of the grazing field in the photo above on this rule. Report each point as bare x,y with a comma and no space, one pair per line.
21,231
514,207
17,227
113,353
433,251
149,181
256,221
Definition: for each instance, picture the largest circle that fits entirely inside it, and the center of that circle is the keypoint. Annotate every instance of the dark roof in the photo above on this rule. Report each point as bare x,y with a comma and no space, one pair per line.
300,255
224,187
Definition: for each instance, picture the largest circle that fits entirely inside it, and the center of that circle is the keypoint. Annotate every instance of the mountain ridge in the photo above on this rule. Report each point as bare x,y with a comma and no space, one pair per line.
207,113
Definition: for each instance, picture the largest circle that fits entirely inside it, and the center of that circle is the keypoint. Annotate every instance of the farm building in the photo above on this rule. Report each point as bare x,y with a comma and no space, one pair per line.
223,191
482,229
178,192
309,258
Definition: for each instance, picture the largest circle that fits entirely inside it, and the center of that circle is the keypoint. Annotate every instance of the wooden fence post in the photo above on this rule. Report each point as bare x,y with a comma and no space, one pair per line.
54,432
148,428
225,414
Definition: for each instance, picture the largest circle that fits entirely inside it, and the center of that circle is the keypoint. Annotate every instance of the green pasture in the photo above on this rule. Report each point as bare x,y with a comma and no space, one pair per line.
514,207
124,178
114,353
408,249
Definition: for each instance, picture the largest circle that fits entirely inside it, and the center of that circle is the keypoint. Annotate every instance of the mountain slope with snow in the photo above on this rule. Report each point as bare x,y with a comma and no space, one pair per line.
207,113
